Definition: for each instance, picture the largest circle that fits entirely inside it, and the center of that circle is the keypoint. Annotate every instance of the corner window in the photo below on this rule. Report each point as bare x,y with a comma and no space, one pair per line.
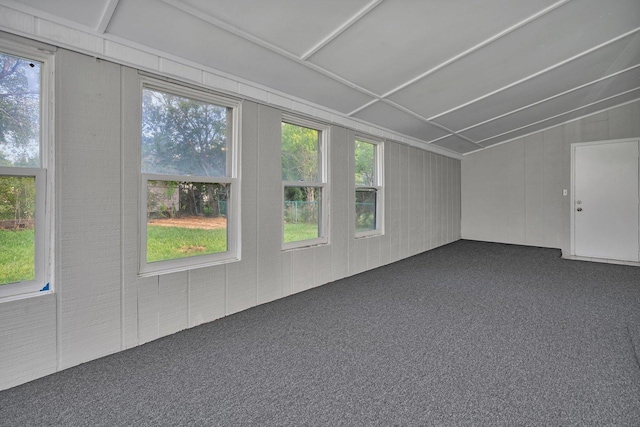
369,185
304,182
23,174
189,179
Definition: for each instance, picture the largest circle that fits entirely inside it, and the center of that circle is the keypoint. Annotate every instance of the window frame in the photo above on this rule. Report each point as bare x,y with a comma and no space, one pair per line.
232,178
378,185
42,282
322,182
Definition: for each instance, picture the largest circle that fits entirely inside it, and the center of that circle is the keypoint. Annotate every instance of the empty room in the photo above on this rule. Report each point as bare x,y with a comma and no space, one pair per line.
286,213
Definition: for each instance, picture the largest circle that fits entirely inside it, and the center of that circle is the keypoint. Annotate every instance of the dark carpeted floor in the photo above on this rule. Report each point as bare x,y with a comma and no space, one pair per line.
468,334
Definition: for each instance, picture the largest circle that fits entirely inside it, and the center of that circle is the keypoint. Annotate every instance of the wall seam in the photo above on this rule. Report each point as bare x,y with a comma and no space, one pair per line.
122,215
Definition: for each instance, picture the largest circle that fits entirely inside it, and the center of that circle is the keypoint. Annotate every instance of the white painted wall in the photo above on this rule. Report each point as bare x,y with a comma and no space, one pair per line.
512,193
101,306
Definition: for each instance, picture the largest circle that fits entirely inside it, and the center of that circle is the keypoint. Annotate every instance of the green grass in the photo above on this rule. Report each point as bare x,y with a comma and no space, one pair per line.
17,249
300,231
164,243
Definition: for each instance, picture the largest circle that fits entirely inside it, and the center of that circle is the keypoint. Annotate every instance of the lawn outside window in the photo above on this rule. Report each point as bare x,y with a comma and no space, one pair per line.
25,175
189,179
304,183
369,195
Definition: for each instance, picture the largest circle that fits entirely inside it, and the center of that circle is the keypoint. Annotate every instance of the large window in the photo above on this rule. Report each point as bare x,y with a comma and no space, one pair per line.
189,183
369,182
23,173
304,179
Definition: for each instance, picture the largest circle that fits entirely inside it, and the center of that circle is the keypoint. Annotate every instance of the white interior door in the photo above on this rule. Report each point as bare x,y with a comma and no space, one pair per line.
605,200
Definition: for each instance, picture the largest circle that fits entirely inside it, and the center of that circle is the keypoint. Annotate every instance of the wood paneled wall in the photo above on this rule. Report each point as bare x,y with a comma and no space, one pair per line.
101,306
512,193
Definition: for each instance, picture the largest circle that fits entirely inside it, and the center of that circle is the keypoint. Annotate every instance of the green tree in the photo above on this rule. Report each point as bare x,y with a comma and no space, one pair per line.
19,135
19,111
182,136
17,198
364,163
300,160
299,153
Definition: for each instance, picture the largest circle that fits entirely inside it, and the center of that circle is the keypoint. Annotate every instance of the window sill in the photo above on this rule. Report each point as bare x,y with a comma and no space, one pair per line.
160,271
30,294
304,244
368,234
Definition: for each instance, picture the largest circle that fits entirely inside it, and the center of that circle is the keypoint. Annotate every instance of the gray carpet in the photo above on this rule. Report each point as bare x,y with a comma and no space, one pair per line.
468,334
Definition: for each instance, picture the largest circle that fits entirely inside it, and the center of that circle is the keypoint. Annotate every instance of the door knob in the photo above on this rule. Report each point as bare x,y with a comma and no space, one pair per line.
579,209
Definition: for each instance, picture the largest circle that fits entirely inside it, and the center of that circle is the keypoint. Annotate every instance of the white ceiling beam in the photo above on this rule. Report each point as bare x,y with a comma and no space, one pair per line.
562,114
426,121
362,107
546,70
106,16
550,127
557,95
341,29
265,44
478,46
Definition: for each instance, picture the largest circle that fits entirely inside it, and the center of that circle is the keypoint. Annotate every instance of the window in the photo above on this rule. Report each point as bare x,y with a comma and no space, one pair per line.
189,179
304,181
368,180
23,173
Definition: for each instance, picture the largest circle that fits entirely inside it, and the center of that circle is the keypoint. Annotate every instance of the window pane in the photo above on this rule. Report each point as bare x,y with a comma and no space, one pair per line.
366,199
300,153
17,234
182,136
301,213
365,164
185,219
19,112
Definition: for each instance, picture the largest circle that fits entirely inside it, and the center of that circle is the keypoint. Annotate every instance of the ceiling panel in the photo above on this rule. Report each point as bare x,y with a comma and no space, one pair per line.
571,29
208,45
295,26
572,100
85,12
605,61
600,106
457,144
401,39
390,117
335,54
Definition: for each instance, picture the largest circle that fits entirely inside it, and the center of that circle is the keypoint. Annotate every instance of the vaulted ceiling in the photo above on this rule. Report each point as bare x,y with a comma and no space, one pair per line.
459,74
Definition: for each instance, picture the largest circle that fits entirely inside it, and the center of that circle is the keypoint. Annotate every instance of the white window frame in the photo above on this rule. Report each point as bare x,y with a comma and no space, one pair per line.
43,254
232,253
378,185
322,183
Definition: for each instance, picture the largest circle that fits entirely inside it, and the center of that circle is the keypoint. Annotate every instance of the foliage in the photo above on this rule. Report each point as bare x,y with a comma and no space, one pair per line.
300,153
19,111
167,199
364,163
300,211
366,210
300,160
17,198
183,136
17,255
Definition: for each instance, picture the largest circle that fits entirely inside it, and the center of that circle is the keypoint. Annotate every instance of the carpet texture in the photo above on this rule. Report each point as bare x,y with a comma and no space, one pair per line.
468,334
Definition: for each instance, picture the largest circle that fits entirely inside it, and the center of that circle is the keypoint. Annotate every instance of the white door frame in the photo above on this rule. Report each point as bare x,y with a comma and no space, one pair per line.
573,174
